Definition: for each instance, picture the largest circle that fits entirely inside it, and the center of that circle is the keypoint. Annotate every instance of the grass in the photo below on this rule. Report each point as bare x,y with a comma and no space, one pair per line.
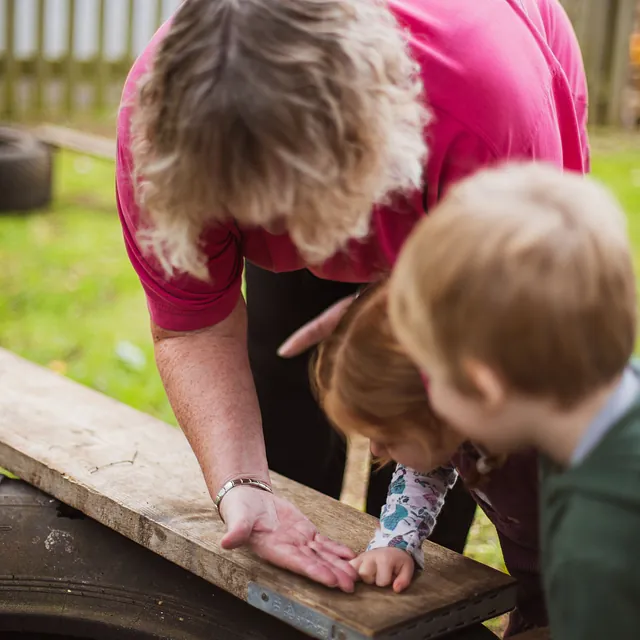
70,299
71,302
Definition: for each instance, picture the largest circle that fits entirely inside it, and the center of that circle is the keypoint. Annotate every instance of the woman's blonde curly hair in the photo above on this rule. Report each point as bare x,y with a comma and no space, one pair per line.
307,112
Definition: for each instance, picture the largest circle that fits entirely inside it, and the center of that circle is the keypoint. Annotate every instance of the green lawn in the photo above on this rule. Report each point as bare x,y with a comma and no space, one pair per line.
70,300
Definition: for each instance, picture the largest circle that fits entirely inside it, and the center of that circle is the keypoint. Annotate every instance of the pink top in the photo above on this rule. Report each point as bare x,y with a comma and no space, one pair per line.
504,81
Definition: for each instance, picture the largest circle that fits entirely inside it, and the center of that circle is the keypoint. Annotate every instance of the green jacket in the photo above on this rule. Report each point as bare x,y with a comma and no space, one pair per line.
590,521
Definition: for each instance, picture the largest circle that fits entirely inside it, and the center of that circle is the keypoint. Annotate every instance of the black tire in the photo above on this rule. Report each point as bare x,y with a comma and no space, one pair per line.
63,575
25,171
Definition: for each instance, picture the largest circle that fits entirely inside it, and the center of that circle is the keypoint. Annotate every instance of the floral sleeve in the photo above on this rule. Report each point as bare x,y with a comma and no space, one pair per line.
413,503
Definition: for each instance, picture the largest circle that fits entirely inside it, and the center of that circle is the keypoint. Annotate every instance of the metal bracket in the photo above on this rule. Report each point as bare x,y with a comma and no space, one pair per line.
299,616
440,623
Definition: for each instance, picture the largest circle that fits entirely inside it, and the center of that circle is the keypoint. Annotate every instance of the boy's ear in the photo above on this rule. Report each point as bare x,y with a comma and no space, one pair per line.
486,381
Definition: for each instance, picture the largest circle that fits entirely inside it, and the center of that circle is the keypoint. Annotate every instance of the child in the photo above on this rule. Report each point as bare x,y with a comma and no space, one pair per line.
517,299
366,384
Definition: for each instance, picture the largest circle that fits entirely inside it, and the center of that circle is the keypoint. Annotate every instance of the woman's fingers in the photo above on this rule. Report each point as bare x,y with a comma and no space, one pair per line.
314,331
337,548
343,573
334,560
303,562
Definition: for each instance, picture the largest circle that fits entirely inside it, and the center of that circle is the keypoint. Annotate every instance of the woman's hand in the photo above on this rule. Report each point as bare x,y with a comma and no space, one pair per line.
316,330
385,566
277,532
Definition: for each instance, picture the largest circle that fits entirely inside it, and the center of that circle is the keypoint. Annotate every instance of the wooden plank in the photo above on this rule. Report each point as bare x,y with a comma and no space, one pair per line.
596,46
578,12
101,78
130,25
42,66
138,476
78,141
591,21
159,13
10,63
71,79
620,59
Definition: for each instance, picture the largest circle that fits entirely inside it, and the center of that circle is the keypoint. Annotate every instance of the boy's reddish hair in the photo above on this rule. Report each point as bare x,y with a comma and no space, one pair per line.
528,270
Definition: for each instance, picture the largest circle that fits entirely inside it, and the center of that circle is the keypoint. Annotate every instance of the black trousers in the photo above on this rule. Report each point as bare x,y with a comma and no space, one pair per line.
301,445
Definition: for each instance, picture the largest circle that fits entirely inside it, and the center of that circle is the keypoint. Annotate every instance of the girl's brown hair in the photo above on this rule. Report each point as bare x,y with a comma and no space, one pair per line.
362,369
362,375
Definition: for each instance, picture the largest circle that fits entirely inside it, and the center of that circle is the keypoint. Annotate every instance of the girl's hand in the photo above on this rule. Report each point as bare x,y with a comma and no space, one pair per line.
385,566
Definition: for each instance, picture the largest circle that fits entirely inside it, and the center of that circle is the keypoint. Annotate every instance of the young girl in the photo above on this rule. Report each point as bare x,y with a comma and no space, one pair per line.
367,385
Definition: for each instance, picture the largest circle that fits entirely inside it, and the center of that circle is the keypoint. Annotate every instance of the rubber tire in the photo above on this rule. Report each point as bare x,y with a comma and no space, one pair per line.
67,576
25,171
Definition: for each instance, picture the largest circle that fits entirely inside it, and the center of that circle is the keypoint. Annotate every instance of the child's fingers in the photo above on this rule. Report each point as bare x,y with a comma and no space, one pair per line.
367,570
384,573
404,576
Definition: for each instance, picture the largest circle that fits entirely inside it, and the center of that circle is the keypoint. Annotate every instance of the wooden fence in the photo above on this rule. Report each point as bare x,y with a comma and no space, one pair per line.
63,58
604,29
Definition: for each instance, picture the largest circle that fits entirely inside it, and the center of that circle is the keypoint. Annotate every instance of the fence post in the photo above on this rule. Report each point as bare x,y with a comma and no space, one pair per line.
591,21
42,66
10,64
102,76
620,63
597,48
159,13
130,24
71,70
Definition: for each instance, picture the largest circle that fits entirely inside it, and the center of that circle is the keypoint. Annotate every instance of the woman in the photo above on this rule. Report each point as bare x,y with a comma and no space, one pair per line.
308,137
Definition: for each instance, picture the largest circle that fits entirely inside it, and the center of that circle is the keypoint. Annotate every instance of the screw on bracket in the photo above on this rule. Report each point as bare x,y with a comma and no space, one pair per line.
338,634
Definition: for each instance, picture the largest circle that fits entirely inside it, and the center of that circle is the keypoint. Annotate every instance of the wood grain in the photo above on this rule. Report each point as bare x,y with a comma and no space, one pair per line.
139,477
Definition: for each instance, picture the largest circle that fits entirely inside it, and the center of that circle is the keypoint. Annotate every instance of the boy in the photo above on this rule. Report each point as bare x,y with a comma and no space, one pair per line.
524,329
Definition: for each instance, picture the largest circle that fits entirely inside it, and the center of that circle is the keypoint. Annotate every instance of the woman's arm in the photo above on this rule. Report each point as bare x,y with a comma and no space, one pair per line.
208,380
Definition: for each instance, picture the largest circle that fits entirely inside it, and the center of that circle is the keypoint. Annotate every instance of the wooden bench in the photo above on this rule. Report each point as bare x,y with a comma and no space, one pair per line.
139,477
78,141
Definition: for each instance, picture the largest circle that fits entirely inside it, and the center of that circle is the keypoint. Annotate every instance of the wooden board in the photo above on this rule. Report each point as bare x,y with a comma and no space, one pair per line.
78,141
138,476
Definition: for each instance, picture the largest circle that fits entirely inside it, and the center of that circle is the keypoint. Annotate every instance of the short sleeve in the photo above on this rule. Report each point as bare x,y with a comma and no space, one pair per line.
182,302
454,154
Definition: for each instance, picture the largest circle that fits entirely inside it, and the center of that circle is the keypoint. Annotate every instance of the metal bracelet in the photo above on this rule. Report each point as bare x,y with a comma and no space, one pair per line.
240,482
